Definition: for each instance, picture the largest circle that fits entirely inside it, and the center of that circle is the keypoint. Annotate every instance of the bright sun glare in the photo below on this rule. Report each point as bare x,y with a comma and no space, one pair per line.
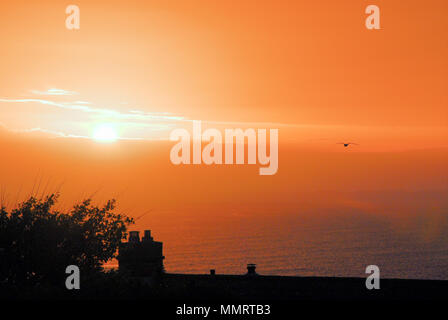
105,133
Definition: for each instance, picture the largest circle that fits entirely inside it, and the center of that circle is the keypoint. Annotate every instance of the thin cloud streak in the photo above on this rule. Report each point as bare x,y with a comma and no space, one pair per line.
54,92
101,111
133,124
137,114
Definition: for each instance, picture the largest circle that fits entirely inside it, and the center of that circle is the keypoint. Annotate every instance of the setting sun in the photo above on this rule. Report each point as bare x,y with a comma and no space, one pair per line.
105,133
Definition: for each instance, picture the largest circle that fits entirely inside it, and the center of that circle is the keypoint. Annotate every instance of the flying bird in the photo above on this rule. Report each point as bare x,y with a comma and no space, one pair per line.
346,144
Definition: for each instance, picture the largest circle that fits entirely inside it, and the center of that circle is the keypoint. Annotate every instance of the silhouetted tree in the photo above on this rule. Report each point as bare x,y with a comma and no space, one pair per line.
37,243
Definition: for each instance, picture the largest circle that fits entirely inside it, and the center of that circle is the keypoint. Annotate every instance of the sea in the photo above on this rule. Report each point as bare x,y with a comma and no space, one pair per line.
329,246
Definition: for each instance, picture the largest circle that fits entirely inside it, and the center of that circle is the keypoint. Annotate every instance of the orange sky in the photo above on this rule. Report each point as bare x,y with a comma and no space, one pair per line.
309,68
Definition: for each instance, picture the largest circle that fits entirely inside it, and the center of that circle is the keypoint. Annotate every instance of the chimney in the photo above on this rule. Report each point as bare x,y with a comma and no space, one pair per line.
212,272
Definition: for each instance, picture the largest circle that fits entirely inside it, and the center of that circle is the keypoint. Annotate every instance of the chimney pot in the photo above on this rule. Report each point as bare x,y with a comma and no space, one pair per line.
134,236
251,268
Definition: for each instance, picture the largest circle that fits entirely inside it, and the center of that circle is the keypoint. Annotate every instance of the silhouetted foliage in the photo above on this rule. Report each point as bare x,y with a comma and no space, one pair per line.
37,243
